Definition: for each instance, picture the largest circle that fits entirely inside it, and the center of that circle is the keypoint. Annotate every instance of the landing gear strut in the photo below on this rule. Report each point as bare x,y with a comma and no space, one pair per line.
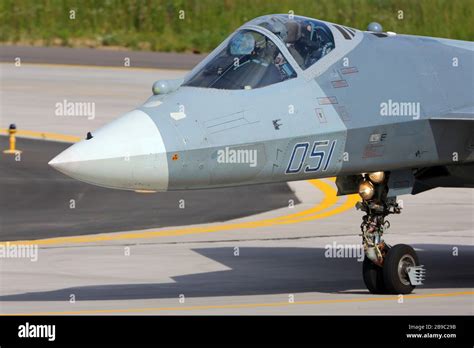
385,269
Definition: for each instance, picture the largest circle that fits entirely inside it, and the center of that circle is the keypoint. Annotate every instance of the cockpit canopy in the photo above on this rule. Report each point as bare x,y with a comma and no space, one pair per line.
308,40
252,60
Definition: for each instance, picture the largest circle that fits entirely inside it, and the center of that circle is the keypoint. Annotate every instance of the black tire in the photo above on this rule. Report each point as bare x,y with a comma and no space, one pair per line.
395,279
373,277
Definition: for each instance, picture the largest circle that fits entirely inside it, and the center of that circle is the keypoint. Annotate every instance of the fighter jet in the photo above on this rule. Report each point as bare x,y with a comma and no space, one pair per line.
288,98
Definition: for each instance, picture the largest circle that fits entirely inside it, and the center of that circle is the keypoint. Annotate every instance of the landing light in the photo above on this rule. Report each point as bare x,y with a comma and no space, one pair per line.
377,177
366,190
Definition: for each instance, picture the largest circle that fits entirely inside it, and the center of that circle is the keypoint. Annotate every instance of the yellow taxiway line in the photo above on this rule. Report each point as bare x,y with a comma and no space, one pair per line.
321,210
248,305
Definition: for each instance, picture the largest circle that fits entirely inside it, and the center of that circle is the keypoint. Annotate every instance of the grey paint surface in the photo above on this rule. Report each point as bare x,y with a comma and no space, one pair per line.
406,69
398,68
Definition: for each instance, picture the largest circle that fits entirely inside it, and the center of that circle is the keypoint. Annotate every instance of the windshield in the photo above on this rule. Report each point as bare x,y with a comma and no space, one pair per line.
250,60
308,40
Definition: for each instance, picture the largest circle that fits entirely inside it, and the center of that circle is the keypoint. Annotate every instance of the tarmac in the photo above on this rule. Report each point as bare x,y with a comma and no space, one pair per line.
43,203
234,251
99,57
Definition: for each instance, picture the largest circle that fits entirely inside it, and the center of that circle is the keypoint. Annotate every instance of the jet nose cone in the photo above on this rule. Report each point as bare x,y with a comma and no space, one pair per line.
66,160
127,153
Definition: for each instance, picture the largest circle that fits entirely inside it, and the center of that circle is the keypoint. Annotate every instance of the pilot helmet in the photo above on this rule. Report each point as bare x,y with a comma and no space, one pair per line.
243,43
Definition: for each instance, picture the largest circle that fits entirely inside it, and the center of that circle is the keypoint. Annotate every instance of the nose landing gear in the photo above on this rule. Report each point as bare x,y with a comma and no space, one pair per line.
386,269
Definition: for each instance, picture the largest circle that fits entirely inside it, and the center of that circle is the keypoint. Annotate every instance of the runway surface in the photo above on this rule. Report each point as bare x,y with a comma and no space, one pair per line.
29,95
39,202
98,57
271,262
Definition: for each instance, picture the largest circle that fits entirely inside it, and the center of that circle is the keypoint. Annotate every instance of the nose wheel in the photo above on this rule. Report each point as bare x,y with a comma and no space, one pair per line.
386,269
400,272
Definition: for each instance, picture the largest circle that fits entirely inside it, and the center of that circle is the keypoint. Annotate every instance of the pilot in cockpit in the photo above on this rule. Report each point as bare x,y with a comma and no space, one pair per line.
307,42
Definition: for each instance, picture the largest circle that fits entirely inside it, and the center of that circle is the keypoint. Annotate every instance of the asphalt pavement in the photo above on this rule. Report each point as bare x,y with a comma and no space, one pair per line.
99,57
39,202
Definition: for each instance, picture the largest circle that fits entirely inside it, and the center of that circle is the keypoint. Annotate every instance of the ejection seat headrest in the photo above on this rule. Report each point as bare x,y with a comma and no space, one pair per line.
293,32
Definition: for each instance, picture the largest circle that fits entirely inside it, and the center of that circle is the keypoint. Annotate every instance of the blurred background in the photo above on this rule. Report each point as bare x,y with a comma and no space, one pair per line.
200,25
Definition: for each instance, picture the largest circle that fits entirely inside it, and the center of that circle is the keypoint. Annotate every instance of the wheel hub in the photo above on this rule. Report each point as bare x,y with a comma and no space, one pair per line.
405,262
